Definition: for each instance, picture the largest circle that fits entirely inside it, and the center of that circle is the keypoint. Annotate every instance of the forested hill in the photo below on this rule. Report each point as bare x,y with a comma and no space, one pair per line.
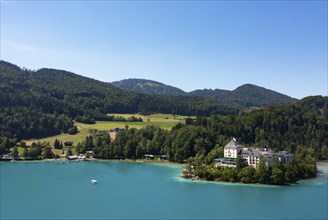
44,102
148,87
245,96
290,127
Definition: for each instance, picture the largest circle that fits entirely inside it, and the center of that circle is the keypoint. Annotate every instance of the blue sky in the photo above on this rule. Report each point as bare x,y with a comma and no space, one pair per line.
280,45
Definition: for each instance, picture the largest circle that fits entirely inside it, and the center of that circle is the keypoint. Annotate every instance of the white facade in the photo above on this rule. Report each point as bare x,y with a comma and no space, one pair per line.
252,160
232,149
252,156
230,153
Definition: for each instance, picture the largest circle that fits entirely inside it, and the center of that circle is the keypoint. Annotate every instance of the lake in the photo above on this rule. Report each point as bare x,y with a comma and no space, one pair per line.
49,190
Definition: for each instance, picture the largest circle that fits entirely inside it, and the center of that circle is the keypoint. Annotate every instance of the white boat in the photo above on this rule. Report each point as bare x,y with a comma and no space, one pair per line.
94,181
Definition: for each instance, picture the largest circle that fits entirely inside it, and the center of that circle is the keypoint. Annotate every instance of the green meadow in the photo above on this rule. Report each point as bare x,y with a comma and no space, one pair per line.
165,121
79,137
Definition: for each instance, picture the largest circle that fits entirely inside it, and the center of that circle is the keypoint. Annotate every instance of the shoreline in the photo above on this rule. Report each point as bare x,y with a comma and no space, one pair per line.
138,161
151,162
322,166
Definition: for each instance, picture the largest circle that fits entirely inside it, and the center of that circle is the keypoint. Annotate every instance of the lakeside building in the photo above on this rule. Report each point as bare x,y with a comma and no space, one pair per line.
251,156
73,157
6,157
149,157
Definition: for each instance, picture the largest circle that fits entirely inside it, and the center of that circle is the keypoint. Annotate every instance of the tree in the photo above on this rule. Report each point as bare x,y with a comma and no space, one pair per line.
3,149
47,153
69,152
229,174
130,149
89,143
73,130
15,152
277,176
262,173
240,163
213,154
57,144
304,163
33,153
247,175
290,173
22,144
25,153
80,148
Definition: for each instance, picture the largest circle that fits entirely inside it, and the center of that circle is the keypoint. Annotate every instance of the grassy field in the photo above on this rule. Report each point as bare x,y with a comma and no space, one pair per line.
165,121
79,137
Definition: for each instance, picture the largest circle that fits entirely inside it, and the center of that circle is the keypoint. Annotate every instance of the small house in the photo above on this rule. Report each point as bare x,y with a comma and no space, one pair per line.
163,157
89,154
74,157
149,157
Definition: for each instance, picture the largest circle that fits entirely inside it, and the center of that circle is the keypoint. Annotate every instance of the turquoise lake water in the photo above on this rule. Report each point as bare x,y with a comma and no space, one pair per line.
46,190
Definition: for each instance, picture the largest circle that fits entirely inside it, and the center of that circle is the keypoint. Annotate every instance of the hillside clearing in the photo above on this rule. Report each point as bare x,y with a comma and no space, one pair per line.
165,121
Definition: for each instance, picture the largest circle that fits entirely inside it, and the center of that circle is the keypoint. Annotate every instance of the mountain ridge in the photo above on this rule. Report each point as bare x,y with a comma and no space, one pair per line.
245,96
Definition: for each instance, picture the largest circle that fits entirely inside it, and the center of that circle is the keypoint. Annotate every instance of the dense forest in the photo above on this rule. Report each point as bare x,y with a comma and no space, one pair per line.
45,102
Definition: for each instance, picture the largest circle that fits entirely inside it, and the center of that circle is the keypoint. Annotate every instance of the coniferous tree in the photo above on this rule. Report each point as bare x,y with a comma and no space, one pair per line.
57,144
47,153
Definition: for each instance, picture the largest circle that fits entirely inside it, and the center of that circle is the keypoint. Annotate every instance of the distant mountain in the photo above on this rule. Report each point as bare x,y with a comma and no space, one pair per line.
148,87
245,96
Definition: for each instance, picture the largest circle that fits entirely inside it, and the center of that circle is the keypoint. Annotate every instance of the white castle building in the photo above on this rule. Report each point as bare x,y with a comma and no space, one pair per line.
251,156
